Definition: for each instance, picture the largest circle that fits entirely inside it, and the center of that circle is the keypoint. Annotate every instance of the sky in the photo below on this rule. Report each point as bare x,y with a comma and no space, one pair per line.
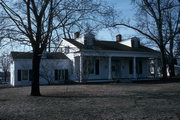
127,11
123,6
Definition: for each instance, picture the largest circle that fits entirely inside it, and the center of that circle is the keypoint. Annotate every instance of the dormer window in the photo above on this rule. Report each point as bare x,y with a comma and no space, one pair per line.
64,49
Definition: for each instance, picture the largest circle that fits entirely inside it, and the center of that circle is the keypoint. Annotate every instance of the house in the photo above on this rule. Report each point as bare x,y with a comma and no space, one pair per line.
54,68
177,67
85,59
4,78
101,61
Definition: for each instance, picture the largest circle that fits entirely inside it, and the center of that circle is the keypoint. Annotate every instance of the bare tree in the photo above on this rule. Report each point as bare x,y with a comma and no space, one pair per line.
36,22
80,15
44,73
177,50
32,21
4,63
47,70
171,31
157,20
2,27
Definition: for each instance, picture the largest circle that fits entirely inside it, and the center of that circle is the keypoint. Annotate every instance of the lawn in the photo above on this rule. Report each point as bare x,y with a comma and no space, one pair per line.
122,101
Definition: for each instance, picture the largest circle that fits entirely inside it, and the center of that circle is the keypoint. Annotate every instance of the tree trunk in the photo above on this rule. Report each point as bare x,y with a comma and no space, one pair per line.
172,62
5,76
171,67
35,90
163,60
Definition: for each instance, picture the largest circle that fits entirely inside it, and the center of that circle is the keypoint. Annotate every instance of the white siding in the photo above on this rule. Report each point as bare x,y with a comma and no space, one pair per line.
50,65
127,42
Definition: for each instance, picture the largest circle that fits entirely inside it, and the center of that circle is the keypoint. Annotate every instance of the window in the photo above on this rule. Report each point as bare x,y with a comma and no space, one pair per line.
24,75
30,75
61,49
19,75
97,66
139,67
90,65
113,68
130,66
61,74
66,49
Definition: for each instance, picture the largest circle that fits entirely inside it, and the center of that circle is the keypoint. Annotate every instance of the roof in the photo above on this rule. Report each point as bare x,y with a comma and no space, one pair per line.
29,55
74,42
111,45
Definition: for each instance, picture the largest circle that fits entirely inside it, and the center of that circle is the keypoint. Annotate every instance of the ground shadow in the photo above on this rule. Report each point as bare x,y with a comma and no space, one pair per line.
84,96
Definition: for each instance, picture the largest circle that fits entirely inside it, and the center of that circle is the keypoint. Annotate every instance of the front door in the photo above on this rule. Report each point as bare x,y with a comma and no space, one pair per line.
116,69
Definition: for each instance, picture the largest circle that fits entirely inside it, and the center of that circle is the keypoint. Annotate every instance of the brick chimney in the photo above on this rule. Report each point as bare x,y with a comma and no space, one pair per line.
89,39
135,41
76,35
118,38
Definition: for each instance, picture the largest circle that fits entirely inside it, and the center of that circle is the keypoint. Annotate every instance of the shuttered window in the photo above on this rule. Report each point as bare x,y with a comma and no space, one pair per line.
19,75
56,74
24,75
140,67
97,66
61,74
130,66
30,75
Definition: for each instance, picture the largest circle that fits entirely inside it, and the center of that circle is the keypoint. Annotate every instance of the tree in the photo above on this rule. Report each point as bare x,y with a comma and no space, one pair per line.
4,63
2,26
47,70
82,14
36,22
157,20
177,50
32,21
171,31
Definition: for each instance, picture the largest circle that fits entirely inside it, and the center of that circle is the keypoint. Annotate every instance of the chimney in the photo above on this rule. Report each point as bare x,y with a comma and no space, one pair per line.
89,40
76,35
135,42
118,38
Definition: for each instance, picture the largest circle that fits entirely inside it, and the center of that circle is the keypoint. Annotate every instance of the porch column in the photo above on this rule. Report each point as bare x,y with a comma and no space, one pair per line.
81,69
109,68
134,67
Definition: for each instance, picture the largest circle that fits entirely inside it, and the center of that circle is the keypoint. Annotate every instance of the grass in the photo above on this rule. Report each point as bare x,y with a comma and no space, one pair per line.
122,101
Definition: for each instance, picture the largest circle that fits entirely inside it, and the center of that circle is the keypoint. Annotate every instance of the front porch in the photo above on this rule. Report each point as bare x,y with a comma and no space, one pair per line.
114,68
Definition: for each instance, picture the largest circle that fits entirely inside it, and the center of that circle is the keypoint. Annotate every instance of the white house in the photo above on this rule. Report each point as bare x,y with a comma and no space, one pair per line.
120,60
85,59
55,68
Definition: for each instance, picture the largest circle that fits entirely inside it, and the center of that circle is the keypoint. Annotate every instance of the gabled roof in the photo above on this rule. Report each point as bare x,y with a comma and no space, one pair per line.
111,45
75,43
29,55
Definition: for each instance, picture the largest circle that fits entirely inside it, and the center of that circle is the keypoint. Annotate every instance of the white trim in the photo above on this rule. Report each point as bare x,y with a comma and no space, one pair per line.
81,69
134,67
109,68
